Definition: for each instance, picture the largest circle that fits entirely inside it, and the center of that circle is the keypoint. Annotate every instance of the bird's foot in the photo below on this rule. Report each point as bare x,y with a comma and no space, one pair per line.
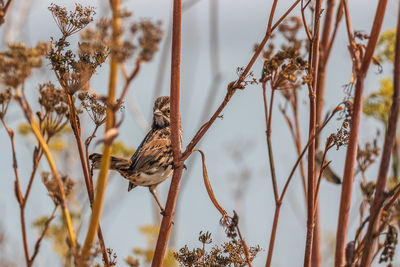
176,166
162,212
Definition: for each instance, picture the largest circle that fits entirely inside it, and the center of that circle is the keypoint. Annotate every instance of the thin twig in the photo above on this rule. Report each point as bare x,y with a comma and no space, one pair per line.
303,17
269,143
17,188
128,81
288,180
39,241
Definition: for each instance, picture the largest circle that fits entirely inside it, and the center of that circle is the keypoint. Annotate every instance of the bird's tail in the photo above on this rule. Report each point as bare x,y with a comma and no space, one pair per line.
116,163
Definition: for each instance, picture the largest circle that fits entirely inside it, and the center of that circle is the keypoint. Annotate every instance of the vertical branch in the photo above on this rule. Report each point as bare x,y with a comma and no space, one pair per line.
312,131
103,174
166,223
269,143
347,186
379,197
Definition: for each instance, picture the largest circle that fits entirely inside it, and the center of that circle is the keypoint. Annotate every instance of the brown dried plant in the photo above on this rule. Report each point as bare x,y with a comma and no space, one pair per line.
230,253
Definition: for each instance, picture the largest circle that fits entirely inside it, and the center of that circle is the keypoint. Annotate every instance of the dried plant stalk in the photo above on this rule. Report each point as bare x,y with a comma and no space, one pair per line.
345,198
379,197
50,160
103,173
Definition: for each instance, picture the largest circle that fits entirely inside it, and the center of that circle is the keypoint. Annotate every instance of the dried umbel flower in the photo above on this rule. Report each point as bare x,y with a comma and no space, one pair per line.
366,156
389,247
205,238
73,21
132,262
54,114
230,253
368,189
74,71
290,28
248,80
284,70
17,62
341,137
143,38
5,97
52,99
53,189
93,48
95,109
151,35
73,74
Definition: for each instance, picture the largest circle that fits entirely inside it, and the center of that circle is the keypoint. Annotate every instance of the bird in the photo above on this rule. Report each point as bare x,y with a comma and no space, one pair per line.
152,162
328,173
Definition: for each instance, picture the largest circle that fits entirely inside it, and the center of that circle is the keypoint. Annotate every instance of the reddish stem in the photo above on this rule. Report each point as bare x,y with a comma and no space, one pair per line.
351,155
180,158
166,223
379,197
312,131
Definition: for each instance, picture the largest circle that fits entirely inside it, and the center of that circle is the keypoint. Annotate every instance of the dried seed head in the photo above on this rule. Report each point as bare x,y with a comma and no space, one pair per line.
95,109
53,189
73,21
17,62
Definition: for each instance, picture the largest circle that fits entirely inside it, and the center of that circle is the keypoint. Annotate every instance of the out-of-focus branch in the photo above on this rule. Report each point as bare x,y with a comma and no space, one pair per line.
103,174
3,11
379,197
39,241
128,81
162,67
347,186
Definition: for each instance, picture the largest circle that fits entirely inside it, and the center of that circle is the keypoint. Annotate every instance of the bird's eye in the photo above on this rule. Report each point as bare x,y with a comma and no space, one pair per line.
168,111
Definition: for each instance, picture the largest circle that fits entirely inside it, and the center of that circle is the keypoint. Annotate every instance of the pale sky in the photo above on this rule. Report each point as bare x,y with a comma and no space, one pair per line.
241,25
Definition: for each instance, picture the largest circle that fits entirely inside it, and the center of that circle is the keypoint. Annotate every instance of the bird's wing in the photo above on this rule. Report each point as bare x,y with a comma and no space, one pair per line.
140,147
153,154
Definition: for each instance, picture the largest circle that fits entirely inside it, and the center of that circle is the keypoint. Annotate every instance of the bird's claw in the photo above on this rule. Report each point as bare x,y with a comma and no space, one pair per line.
162,212
176,166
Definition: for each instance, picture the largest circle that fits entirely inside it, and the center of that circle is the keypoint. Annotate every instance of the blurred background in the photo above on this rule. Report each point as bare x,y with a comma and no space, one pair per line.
218,37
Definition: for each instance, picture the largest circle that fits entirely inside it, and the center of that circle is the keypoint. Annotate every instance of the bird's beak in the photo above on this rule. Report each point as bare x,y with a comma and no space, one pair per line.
157,112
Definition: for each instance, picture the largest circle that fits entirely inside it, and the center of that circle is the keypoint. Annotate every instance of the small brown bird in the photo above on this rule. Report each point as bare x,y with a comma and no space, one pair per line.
152,162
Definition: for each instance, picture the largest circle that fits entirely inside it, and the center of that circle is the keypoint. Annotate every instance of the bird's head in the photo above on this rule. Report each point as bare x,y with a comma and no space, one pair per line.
161,111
